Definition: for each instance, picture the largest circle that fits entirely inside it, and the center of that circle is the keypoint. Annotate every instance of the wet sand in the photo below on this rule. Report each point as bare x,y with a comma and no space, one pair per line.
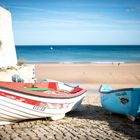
92,121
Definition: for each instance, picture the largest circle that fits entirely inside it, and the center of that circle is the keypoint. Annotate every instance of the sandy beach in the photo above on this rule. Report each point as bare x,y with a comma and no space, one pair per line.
92,121
92,75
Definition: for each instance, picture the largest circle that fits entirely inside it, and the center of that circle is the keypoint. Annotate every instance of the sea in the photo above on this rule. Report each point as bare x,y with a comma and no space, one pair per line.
78,53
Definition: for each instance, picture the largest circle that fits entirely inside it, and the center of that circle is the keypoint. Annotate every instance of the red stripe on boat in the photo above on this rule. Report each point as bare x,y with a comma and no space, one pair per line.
34,102
21,99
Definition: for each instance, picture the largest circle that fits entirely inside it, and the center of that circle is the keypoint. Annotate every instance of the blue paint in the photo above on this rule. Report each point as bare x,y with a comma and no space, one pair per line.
121,101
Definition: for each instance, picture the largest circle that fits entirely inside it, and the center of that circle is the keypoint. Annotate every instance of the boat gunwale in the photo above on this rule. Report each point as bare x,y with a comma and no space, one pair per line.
41,94
114,91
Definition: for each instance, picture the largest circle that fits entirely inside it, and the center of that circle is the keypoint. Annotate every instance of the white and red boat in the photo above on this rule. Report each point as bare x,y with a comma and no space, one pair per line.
21,101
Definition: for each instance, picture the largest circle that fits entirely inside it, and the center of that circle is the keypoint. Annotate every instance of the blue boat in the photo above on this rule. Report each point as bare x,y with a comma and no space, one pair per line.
124,101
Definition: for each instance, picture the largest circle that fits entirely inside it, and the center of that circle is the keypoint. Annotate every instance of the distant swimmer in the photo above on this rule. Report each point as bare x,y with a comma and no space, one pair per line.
51,48
119,64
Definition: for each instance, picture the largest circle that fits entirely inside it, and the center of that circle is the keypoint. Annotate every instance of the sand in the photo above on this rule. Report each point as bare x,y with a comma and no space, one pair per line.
92,75
92,121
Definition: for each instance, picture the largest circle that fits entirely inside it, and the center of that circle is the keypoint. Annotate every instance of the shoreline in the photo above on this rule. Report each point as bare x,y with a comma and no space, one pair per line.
98,62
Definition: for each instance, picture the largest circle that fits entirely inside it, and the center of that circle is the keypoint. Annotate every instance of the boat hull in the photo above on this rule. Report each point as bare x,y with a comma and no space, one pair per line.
122,101
16,106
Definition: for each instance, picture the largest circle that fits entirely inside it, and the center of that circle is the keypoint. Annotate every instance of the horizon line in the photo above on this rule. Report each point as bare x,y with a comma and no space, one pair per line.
77,45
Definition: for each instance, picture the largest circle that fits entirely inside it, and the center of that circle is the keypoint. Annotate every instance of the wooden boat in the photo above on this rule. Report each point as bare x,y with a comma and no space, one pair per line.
20,101
124,101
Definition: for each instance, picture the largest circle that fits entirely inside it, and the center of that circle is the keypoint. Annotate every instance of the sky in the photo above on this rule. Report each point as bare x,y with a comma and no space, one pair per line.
75,22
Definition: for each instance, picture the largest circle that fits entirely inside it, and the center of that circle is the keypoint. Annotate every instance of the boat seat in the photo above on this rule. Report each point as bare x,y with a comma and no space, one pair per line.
76,89
51,85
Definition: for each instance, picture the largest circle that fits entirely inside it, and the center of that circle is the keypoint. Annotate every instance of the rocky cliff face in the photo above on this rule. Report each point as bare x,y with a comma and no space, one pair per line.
7,46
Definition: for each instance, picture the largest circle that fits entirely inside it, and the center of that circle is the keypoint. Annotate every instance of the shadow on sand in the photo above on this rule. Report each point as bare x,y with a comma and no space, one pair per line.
116,122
